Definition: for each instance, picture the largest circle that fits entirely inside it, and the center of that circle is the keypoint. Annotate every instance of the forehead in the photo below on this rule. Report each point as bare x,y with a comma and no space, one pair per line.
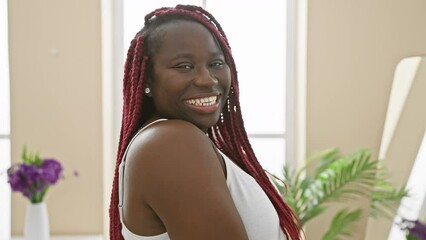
180,35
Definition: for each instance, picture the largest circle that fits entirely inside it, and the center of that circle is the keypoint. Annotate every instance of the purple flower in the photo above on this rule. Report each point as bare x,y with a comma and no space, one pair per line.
51,171
414,228
33,177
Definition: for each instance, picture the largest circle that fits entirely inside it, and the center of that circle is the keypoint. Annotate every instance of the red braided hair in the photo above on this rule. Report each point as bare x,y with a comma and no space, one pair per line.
228,134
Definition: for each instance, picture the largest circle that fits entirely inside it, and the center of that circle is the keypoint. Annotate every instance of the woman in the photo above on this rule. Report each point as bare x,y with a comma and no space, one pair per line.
181,127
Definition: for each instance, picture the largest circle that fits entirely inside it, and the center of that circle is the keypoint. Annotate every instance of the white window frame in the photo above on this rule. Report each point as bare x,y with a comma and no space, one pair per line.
5,192
297,28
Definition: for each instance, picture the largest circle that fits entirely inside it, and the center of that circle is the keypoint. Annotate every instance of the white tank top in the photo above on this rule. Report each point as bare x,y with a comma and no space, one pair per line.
258,215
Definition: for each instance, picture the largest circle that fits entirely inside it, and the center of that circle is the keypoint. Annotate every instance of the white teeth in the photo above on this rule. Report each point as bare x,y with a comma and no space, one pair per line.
206,101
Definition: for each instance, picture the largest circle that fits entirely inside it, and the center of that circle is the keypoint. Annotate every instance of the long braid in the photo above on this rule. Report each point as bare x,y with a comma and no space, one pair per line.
228,134
136,86
133,87
126,79
288,220
115,228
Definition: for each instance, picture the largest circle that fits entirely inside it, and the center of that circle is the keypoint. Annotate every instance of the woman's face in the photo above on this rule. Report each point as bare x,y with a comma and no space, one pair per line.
190,79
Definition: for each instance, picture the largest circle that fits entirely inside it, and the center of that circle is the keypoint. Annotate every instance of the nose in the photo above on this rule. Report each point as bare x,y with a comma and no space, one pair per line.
205,78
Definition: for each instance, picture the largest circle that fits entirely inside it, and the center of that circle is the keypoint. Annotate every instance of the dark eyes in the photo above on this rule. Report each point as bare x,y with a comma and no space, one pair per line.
217,64
184,66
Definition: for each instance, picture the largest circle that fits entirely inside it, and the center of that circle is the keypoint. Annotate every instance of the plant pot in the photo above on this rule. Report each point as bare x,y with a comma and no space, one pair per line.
36,222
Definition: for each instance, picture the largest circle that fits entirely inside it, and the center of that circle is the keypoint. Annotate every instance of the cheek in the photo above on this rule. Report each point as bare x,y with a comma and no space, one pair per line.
168,89
163,83
226,79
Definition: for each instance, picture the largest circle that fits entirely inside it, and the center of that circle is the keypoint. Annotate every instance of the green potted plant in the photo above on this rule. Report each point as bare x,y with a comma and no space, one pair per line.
333,177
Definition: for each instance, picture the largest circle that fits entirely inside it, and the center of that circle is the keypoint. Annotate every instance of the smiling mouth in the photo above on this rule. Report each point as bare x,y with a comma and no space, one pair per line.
202,102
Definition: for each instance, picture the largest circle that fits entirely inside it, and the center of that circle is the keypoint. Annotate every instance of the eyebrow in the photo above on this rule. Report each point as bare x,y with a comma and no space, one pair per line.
181,55
190,55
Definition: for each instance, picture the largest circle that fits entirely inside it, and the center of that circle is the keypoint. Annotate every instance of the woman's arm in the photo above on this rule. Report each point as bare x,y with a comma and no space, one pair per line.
173,169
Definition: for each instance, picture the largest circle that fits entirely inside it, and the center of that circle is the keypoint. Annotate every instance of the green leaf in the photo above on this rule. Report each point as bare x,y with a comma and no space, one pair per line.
31,158
312,213
337,178
328,157
24,155
342,224
346,178
385,200
412,237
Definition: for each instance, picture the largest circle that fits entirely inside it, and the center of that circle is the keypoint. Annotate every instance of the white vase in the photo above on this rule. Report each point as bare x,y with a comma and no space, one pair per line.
36,222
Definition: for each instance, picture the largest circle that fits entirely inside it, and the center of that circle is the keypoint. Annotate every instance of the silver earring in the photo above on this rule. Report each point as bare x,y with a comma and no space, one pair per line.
147,90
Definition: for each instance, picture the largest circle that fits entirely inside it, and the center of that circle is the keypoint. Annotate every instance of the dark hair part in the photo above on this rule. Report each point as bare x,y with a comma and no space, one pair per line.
228,134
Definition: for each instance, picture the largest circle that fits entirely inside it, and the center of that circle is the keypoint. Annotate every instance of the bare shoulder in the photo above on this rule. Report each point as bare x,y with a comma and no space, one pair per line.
173,169
168,148
171,137
168,130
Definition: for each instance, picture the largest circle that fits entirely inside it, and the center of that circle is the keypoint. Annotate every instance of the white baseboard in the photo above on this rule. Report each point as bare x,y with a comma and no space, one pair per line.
76,237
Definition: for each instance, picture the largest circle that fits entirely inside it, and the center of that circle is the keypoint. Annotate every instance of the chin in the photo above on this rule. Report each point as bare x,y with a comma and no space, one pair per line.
205,123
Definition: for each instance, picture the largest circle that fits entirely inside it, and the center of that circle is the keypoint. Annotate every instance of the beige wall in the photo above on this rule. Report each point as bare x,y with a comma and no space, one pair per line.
405,144
353,49
56,105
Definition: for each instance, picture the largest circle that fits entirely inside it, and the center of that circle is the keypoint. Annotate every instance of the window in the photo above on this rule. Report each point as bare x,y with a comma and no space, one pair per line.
257,32
4,125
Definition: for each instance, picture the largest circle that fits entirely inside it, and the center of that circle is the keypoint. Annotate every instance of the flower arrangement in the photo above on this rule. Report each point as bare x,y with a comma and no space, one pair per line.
34,175
415,230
